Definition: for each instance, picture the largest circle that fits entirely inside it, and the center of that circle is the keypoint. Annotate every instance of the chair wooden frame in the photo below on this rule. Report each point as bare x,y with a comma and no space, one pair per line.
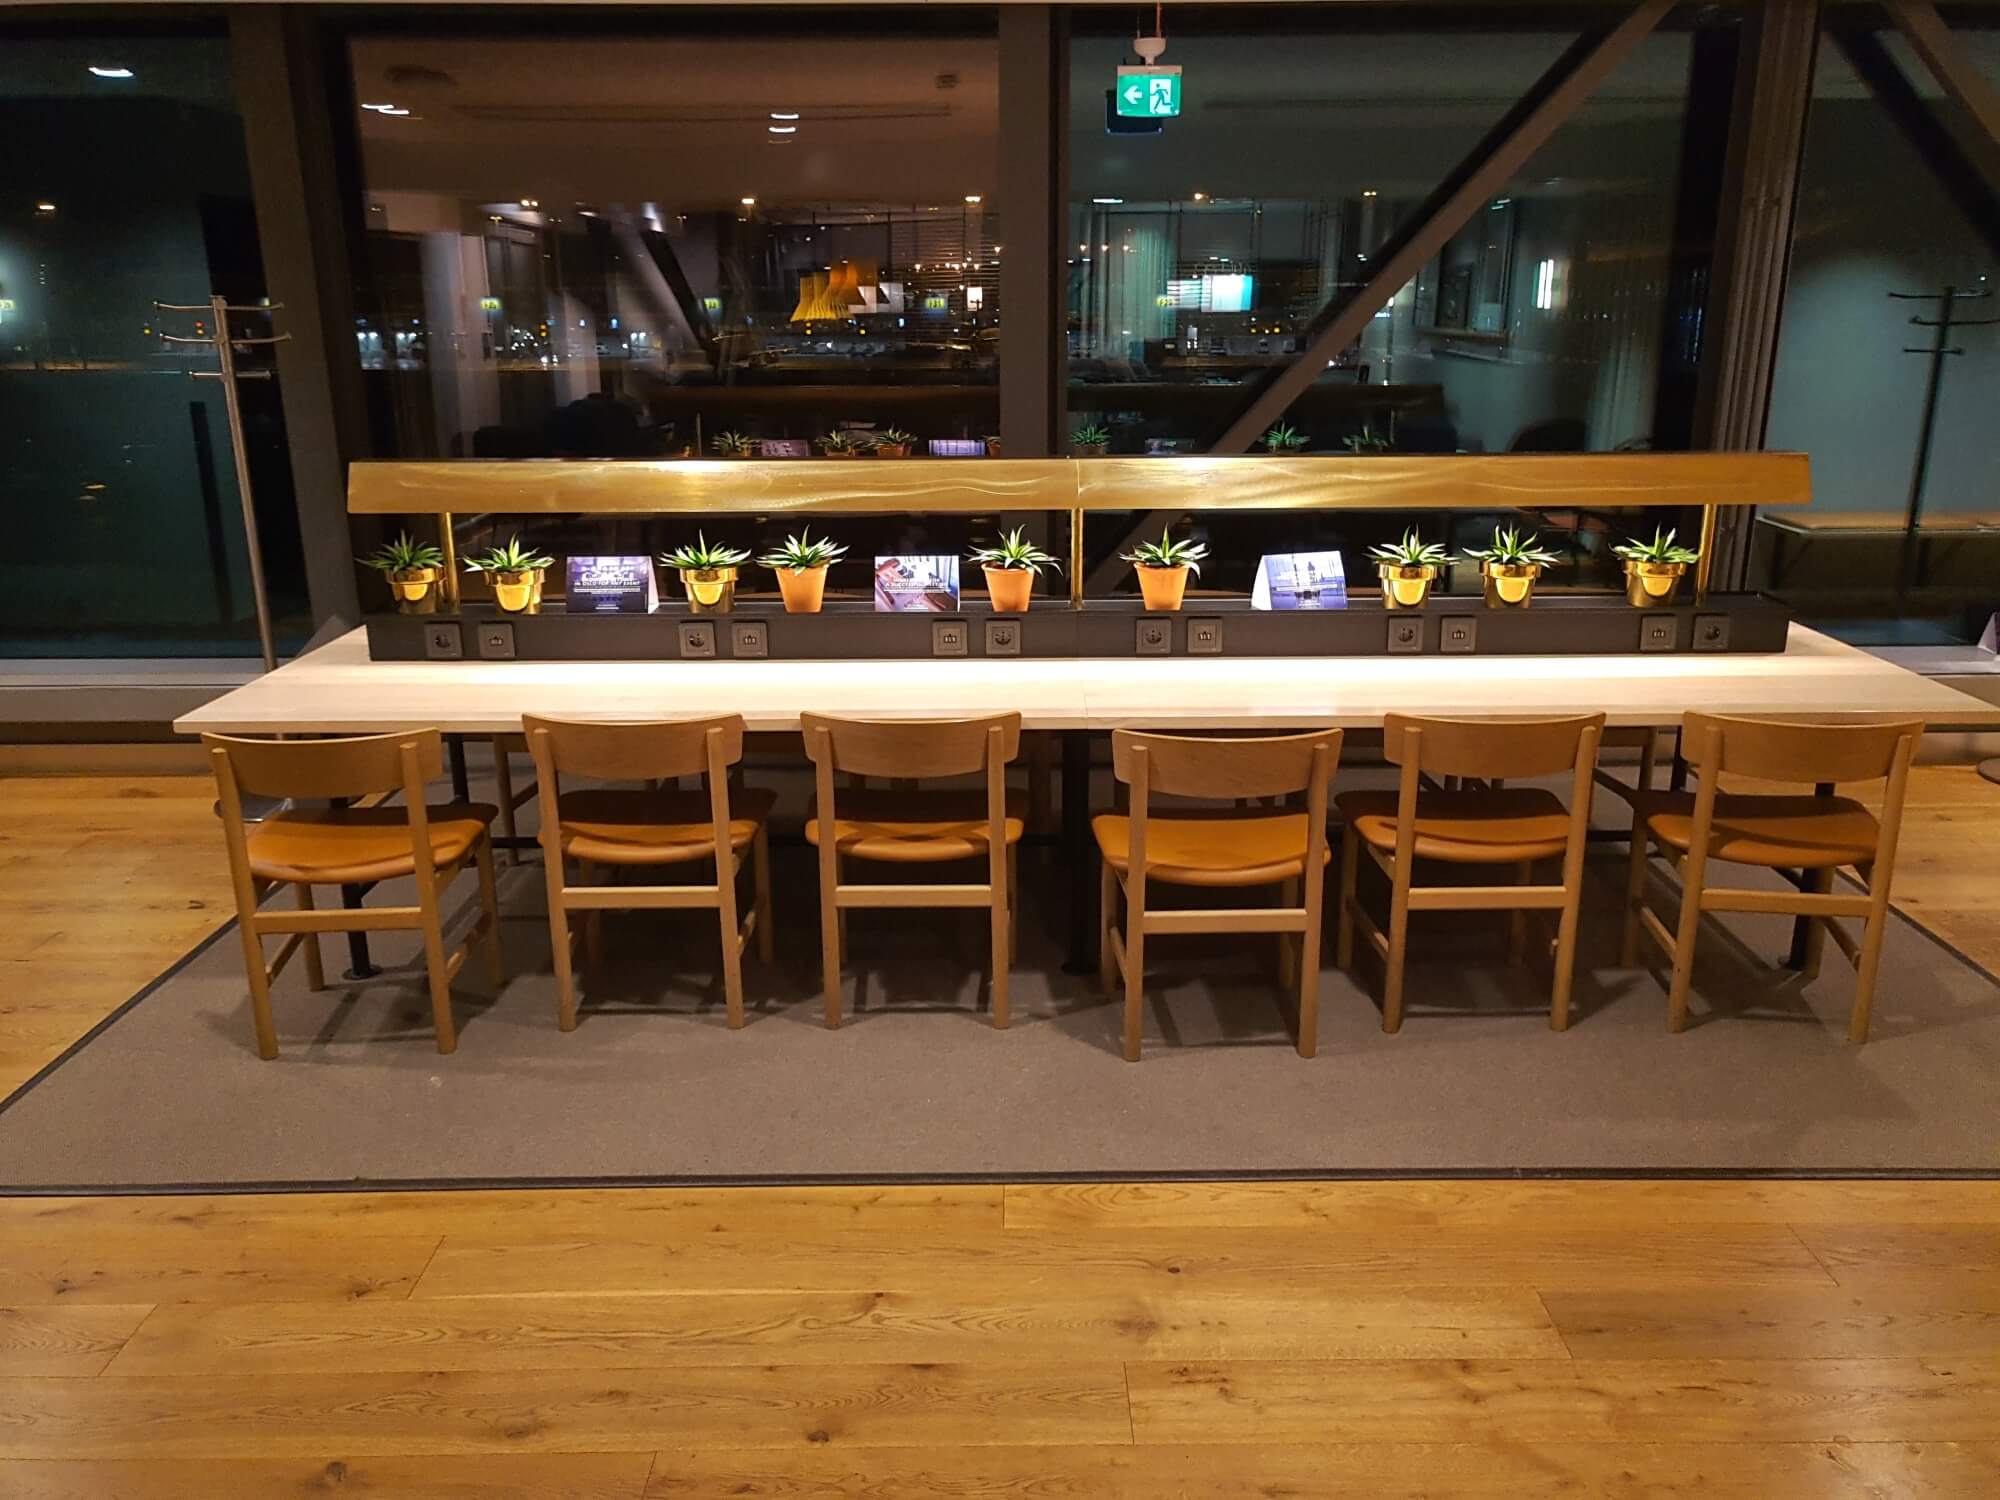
1218,769
661,751
1492,750
343,769
910,750
1821,754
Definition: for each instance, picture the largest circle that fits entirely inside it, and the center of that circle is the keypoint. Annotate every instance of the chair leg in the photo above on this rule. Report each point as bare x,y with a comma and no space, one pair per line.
1107,915
832,935
1517,920
489,906
1135,962
260,986
840,873
593,924
1309,961
1399,927
1003,944
559,946
1565,978
315,974
1635,894
1350,859
1013,904
760,877
732,956
1684,942
1869,962
1288,895
435,965
1820,882
503,780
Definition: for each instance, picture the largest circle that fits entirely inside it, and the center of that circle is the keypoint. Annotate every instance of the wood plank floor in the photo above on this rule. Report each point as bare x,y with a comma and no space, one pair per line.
1779,1340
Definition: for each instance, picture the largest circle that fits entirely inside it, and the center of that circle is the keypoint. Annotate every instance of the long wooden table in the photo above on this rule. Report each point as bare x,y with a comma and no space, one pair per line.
337,690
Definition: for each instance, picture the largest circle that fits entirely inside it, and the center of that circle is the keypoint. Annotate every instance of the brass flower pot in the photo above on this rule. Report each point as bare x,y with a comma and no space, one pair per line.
1163,588
416,589
1509,585
804,589
710,591
518,593
1649,585
1009,589
1404,587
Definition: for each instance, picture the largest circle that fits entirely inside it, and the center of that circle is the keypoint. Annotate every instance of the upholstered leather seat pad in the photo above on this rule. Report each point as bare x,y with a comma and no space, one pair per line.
1800,831
1466,827
914,827
350,845
1221,848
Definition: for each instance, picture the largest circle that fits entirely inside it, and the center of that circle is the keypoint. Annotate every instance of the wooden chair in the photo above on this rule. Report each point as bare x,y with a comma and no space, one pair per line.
1813,833
908,826
339,846
619,827
1472,825
1220,849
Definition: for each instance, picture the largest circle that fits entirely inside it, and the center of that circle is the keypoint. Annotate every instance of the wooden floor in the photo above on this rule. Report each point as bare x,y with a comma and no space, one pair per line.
1371,1341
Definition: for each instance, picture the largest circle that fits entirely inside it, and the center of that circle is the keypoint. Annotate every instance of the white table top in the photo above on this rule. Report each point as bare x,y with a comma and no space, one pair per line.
337,689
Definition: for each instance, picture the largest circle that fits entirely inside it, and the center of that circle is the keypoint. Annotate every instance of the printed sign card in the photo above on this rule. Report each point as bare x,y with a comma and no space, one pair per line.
1300,580
921,584
612,586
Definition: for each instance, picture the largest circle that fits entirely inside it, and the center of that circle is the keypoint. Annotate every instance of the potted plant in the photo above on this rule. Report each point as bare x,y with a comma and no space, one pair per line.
1408,569
1091,440
708,573
1364,442
801,566
1510,567
839,445
516,575
1163,569
1010,570
893,442
412,569
733,445
1653,570
993,445
1285,439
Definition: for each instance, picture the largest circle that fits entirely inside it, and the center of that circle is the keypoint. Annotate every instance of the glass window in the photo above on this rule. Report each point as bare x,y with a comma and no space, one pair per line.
123,181
732,230
1896,411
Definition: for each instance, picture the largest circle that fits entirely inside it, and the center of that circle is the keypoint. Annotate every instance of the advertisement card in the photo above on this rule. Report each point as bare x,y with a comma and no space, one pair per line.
917,584
1300,580
612,586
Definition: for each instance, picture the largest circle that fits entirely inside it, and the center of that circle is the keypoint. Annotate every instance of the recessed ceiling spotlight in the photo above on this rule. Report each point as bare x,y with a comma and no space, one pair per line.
1201,197
973,198
784,114
45,208
109,70
1368,192
782,129
747,202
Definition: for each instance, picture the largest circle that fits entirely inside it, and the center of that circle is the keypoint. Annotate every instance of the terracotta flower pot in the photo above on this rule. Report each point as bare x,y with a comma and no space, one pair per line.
1405,588
1009,588
1092,450
1509,585
710,591
993,447
518,593
415,589
1649,585
892,450
804,589
1163,588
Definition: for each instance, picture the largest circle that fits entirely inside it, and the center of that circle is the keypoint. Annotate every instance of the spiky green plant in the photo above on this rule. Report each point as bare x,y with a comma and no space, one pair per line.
1167,553
1511,550
1367,440
894,437
834,444
512,558
701,555
1090,435
1285,439
1661,549
734,444
1013,553
803,552
1411,552
403,556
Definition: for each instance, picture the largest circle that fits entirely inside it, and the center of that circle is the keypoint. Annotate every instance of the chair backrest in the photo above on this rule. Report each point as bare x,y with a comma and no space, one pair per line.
661,750
912,749
1789,751
1490,749
1187,766
357,767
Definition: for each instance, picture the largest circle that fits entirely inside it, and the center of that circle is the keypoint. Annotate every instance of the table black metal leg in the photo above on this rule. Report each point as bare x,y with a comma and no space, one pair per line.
360,965
461,785
1802,926
1078,853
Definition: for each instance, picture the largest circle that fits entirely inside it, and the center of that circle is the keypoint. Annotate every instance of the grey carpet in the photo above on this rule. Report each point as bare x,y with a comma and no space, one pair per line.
652,1084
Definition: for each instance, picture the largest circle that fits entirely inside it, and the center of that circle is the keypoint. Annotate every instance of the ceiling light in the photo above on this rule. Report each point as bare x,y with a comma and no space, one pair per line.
972,198
45,208
782,129
380,109
747,202
109,70
1368,192
784,114
1107,200
1201,197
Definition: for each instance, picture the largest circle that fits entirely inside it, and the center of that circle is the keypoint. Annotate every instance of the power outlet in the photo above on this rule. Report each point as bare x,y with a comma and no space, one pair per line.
1204,637
948,637
750,638
1003,637
443,642
1711,632
697,638
1459,634
1659,632
1406,635
1155,637
496,640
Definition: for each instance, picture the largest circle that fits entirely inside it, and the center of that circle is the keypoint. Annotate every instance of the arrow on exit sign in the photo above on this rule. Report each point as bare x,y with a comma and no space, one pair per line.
1149,92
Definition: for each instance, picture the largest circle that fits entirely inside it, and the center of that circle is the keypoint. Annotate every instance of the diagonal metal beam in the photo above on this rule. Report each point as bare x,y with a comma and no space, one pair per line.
1977,128
1500,153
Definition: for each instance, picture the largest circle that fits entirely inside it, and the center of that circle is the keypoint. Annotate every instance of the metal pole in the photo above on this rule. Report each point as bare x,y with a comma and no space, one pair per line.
251,546
1704,562
1913,507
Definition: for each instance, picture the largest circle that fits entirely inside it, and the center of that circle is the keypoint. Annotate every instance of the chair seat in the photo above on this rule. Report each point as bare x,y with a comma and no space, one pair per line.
354,845
616,827
1799,831
1471,827
919,827
1216,849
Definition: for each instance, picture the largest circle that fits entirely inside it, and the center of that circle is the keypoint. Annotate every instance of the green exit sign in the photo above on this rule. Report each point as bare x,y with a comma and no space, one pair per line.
1149,92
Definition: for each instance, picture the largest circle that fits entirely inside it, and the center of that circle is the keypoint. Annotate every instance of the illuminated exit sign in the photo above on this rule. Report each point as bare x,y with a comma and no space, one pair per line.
1149,92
